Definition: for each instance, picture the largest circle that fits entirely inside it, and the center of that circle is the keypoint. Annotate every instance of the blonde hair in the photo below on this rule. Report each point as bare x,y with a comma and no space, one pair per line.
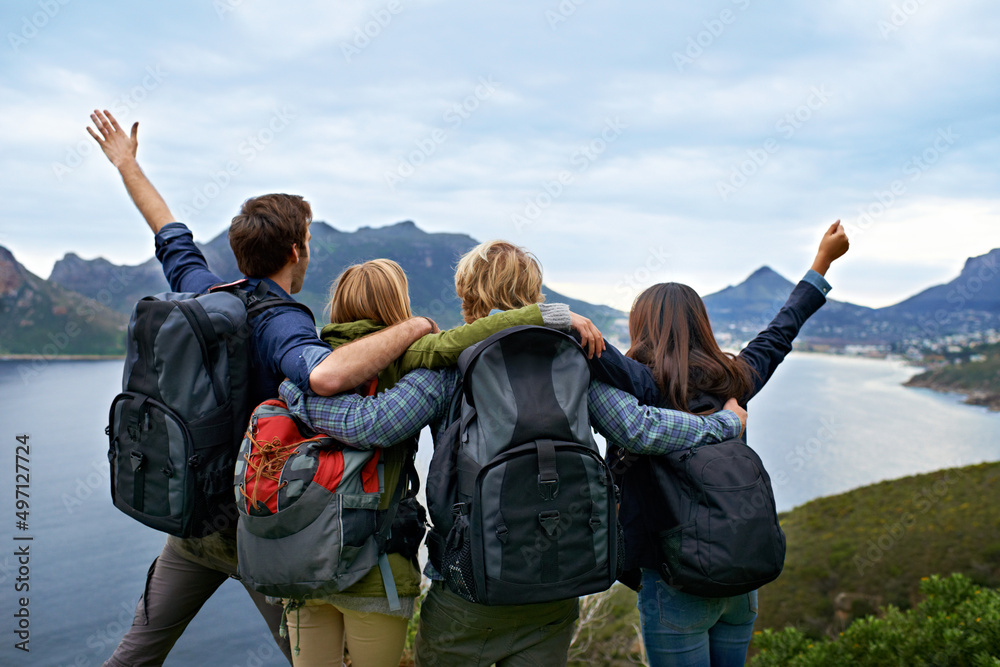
497,274
374,290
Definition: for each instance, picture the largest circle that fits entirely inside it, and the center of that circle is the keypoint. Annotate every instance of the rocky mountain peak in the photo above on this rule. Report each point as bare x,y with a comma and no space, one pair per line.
11,273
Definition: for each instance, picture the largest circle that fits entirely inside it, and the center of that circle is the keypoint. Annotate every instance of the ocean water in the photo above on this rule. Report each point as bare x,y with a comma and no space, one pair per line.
823,425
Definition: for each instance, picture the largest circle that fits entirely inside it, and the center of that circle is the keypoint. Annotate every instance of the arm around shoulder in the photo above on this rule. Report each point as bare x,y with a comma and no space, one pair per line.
645,430
382,420
350,365
437,350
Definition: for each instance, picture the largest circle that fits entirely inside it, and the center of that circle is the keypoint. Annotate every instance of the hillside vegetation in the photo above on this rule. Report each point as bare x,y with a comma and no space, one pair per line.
957,624
850,556
852,553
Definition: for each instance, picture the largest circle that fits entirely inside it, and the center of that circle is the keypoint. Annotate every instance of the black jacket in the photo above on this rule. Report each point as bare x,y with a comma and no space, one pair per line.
764,353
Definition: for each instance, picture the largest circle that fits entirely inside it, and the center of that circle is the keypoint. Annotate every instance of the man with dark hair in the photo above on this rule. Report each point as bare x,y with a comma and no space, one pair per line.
270,238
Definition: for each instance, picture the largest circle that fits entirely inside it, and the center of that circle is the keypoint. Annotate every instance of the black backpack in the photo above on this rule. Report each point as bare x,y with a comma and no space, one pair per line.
176,427
710,513
523,505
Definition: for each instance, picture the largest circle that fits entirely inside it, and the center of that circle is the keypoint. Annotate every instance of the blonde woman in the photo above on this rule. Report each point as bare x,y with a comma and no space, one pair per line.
365,299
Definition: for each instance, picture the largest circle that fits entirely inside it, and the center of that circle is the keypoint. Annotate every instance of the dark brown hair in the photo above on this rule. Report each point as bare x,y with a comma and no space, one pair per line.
263,233
671,334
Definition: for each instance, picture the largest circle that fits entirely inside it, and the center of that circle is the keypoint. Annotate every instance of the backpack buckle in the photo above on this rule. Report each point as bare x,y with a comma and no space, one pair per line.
137,458
550,521
548,488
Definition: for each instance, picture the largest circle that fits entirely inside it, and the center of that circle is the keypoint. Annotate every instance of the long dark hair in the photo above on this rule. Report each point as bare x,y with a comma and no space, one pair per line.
671,334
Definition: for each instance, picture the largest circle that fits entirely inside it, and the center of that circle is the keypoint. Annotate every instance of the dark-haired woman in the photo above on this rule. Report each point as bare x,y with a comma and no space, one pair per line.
673,362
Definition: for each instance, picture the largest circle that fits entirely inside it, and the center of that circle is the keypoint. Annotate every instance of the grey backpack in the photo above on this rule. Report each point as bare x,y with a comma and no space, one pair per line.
523,505
176,427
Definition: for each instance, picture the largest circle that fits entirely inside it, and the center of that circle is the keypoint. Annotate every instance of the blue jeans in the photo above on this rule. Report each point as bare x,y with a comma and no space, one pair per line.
683,630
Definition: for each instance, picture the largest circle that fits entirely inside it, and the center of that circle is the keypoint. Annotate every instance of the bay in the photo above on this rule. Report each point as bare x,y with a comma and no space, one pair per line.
822,425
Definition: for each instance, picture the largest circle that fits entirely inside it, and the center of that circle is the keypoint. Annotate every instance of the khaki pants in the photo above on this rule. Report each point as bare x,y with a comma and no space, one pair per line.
457,633
176,588
321,631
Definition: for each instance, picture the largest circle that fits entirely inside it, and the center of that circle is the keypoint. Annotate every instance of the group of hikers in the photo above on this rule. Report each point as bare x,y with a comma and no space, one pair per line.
376,375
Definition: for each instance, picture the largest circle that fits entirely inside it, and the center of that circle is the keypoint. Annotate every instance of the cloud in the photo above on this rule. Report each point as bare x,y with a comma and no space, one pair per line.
743,113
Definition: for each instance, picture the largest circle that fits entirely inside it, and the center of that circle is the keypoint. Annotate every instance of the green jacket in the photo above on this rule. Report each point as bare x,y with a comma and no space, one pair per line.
432,351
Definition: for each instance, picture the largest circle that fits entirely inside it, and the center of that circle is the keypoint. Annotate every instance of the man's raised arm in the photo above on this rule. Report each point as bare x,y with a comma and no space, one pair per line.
120,149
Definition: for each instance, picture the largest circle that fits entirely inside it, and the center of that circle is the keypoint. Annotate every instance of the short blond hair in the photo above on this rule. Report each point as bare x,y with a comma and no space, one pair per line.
497,274
374,290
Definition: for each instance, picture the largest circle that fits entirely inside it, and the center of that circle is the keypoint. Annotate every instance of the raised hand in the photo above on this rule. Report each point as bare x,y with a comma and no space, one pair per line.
833,245
120,149
117,146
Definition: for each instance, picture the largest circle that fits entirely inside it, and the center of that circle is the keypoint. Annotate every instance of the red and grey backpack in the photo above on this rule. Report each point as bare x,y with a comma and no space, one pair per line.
309,520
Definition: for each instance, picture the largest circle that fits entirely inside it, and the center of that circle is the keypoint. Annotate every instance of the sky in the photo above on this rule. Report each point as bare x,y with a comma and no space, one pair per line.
623,143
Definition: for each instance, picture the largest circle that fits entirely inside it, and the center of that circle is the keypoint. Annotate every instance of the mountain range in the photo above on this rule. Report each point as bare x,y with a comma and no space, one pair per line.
83,306
42,318
968,304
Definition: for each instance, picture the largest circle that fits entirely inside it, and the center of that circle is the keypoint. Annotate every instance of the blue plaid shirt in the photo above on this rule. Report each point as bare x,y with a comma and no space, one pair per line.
423,397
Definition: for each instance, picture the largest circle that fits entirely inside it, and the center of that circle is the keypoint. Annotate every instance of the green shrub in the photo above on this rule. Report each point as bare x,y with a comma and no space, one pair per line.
957,623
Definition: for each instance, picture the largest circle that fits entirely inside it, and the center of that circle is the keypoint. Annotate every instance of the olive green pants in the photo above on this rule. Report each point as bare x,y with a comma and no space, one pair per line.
454,632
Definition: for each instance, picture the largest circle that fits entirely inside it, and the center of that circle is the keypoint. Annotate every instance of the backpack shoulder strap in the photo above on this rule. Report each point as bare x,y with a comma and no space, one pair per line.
259,299
382,537
208,341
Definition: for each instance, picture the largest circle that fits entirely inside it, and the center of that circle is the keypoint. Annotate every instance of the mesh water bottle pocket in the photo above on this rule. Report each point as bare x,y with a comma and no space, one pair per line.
457,560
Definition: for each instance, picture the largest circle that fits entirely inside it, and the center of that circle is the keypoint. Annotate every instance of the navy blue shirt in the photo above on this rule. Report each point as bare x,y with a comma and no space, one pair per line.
284,339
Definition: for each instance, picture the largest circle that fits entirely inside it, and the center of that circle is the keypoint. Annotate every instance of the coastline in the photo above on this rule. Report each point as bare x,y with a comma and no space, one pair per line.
976,397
